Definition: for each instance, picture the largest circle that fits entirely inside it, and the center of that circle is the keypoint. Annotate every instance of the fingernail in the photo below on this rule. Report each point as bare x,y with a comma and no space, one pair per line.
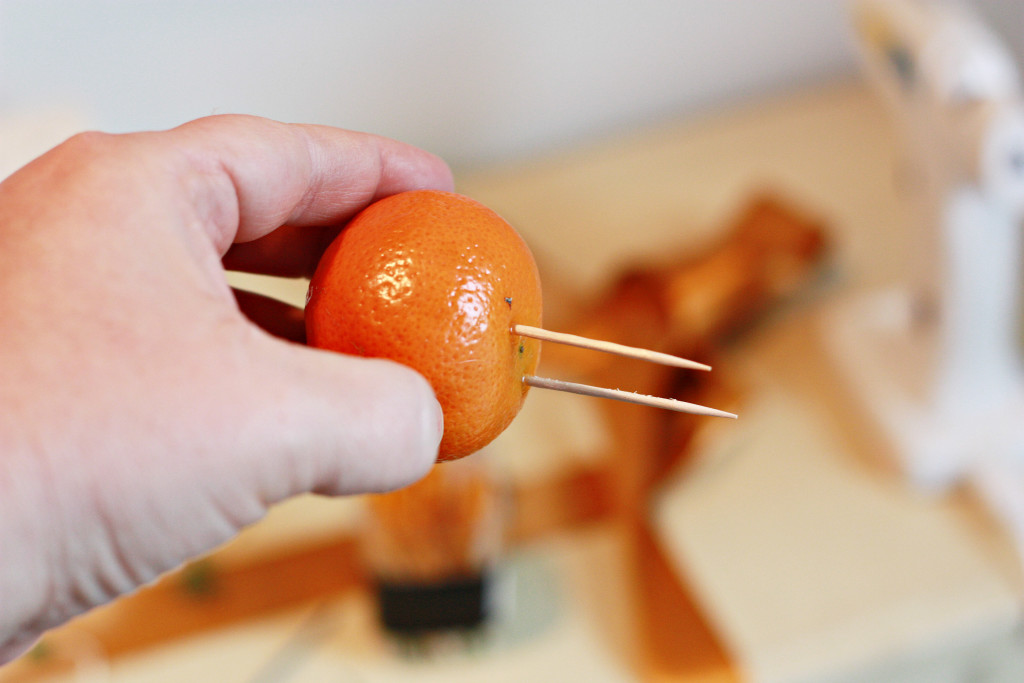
433,425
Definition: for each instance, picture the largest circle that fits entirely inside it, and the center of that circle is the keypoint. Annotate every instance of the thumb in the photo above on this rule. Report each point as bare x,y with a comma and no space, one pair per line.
339,424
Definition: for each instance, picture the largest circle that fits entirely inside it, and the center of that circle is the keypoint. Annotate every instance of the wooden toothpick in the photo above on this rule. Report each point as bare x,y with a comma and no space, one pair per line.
627,396
608,347
616,394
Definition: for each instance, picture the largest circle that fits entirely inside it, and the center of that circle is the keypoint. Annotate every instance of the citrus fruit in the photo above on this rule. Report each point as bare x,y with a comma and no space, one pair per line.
435,280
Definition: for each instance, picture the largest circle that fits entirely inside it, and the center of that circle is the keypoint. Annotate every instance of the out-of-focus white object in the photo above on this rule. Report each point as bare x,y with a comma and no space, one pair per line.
937,360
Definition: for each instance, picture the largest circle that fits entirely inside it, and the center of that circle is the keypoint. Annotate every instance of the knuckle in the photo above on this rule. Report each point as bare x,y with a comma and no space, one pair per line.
88,143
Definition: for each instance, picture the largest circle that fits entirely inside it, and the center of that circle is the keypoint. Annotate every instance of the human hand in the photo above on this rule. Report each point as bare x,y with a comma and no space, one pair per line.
144,418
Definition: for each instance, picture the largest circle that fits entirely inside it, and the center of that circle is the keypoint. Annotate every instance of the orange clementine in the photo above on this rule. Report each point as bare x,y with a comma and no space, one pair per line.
435,280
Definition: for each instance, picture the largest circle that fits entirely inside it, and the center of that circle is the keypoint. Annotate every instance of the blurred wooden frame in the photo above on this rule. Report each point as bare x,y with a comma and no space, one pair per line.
688,306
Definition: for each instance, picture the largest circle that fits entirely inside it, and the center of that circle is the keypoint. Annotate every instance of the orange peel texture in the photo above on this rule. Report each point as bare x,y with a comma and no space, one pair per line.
435,281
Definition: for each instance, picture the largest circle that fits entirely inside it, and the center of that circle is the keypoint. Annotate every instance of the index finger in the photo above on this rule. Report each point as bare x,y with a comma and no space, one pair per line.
249,175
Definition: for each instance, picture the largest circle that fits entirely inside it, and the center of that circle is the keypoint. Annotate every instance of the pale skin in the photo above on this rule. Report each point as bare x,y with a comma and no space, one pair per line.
144,417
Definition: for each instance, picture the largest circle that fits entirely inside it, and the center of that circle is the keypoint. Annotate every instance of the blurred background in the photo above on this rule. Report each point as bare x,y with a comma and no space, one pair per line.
478,83
729,160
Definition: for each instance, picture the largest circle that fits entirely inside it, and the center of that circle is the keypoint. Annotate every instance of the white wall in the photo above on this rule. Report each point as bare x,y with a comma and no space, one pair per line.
475,81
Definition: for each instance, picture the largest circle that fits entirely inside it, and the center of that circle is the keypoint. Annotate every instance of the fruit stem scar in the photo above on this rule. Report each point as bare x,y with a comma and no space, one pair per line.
508,300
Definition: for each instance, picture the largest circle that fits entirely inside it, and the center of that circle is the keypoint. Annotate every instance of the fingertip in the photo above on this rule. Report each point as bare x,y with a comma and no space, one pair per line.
410,168
433,427
376,424
425,429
